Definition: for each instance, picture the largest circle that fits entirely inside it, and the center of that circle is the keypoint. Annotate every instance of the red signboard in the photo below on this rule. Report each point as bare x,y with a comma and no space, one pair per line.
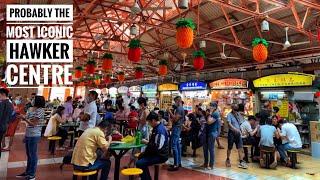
229,84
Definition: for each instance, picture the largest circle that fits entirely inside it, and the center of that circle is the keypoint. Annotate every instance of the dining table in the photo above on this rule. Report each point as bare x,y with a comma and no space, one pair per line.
74,126
118,149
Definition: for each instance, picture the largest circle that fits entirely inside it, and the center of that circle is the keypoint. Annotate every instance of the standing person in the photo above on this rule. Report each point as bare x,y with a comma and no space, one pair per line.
13,125
28,104
157,150
291,140
220,127
177,119
234,136
68,108
53,128
142,117
185,136
91,109
212,132
33,118
133,118
6,110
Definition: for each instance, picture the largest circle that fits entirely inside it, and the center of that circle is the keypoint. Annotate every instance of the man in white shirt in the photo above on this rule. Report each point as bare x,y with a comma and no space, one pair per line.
247,134
91,109
291,139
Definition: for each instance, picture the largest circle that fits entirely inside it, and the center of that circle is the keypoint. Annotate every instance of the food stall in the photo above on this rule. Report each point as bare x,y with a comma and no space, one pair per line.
229,91
150,92
194,93
293,94
134,94
124,92
167,93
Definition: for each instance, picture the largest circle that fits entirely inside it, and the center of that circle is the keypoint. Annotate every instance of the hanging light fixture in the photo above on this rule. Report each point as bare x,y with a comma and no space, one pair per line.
264,26
183,4
133,30
135,8
106,45
202,44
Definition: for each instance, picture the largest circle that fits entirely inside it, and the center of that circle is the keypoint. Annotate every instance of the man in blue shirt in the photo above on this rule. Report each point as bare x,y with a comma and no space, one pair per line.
177,119
234,136
157,150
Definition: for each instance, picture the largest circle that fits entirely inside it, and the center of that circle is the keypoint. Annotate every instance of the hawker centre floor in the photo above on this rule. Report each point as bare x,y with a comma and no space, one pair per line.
14,162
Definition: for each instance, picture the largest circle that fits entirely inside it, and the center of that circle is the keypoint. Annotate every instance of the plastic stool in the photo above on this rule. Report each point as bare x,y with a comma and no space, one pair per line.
131,172
71,133
84,174
268,157
293,157
52,143
246,149
156,171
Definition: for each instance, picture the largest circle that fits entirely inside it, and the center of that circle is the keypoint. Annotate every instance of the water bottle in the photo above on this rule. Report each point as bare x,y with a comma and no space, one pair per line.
138,138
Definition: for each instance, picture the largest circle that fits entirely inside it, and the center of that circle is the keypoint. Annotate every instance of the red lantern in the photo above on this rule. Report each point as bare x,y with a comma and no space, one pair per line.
90,67
134,53
107,62
198,61
139,73
163,67
78,74
318,34
317,94
107,79
121,77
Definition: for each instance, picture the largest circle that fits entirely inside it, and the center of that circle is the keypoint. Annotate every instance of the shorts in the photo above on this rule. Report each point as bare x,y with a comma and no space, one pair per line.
267,148
234,139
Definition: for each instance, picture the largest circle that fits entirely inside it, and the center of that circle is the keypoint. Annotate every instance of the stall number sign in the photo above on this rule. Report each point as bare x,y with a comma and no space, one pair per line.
193,86
149,88
123,89
229,84
281,80
134,89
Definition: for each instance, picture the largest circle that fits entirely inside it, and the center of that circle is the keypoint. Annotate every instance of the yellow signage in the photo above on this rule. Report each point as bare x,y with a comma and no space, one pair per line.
280,80
229,83
283,106
168,87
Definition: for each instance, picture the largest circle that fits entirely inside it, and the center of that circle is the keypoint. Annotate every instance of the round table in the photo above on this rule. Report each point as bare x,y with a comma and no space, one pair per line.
73,125
123,148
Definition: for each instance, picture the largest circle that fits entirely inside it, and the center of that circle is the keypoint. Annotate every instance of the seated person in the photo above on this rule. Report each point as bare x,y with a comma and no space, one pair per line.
157,150
267,132
277,140
84,117
291,140
247,134
84,157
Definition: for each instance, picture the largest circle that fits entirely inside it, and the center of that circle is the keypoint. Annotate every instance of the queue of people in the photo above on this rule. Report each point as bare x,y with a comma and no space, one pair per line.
162,131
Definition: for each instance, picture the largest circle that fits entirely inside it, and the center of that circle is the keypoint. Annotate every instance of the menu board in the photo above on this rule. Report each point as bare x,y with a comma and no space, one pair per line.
283,106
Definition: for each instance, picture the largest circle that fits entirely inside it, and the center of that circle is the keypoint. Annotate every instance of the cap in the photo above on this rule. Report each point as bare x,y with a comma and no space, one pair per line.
213,104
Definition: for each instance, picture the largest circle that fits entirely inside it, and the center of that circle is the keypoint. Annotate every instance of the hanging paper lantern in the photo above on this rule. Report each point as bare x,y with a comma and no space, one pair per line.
260,49
139,73
78,72
317,94
134,53
90,67
198,61
163,67
184,34
121,76
107,62
97,80
318,34
107,79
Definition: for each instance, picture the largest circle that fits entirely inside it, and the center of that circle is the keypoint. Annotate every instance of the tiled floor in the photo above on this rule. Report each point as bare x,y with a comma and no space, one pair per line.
48,168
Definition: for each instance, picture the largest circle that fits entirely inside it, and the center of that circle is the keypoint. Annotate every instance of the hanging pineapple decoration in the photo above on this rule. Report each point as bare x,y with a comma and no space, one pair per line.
134,53
260,49
78,72
184,34
90,67
163,67
97,80
139,73
121,76
198,61
107,62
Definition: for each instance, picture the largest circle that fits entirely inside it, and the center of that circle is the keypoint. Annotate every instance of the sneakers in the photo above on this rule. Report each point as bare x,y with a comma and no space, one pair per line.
243,165
273,165
173,168
208,168
22,175
228,164
30,178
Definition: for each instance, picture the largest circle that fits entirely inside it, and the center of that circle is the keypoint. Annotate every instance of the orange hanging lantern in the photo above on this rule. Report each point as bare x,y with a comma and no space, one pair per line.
134,53
97,80
198,61
260,49
90,67
139,73
107,62
121,76
78,72
107,79
184,34
163,67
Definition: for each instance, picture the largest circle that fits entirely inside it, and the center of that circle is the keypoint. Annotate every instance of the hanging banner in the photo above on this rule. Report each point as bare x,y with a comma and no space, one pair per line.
168,87
135,89
281,80
149,88
193,85
230,83
283,106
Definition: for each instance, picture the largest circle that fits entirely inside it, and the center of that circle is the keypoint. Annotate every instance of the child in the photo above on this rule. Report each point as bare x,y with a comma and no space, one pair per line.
133,118
85,118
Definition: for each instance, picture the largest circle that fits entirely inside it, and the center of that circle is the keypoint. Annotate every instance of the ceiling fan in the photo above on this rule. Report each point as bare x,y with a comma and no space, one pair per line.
223,55
287,43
